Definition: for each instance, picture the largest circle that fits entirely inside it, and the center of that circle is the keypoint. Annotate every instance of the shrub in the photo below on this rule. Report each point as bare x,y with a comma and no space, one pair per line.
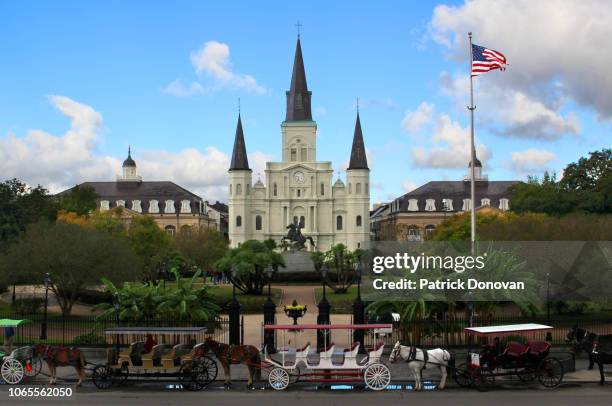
29,305
89,339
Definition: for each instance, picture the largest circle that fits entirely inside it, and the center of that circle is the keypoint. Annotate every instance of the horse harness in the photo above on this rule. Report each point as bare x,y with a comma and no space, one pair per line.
413,354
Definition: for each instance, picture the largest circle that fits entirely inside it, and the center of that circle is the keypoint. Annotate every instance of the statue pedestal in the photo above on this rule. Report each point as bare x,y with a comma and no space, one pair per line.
297,261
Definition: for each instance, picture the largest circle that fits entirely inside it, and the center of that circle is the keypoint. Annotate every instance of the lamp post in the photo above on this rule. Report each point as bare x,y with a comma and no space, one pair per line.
43,328
358,309
234,312
117,306
324,310
269,314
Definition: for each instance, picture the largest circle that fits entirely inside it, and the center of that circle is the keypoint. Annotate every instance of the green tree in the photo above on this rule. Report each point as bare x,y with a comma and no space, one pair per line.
74,256
142,301
153,246
80,200
202,247
250,261
341,264
20,206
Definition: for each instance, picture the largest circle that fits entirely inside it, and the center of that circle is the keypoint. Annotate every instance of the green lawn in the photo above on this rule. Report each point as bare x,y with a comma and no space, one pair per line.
222,294
340,302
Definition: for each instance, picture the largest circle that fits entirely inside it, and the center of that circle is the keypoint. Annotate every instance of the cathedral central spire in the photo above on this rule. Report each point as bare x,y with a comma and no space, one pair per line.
359,159
298,96
240,162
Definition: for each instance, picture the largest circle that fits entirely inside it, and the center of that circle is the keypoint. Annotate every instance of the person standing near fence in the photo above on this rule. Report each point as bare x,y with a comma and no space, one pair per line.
9,333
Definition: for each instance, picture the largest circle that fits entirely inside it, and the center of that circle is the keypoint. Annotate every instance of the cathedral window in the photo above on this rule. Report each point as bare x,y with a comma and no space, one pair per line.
322,189
413,205
153,206
230,189
298,101
350,188
358,221
303,154
430,205
302,221
275,189
367,188
339,223
248,189
293,154
169,206
258,222
504,204
238,221
185,206
104,205
299,193
120,203
358,188
136,206
238,189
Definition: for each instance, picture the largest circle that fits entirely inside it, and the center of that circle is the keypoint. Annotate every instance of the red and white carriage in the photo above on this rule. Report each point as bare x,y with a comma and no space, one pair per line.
332,364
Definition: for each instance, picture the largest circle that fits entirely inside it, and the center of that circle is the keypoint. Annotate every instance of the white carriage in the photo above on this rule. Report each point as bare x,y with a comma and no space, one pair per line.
331,364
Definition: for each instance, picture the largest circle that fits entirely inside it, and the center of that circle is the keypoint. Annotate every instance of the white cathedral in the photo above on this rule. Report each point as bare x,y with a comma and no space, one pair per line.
299,188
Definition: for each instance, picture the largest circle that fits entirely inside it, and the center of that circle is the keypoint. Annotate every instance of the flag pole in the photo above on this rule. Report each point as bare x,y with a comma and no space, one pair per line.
471,108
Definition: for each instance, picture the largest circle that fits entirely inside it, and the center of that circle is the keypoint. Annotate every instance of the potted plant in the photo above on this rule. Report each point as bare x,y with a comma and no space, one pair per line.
295,311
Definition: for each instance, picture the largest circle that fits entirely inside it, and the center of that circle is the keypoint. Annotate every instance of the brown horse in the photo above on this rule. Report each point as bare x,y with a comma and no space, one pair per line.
235,354
61,357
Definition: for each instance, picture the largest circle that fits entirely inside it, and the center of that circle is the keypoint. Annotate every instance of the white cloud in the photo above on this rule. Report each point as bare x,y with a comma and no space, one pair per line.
408,186
178,88
557,49
531,160
450,147
320,111
213,60
61,161
413,121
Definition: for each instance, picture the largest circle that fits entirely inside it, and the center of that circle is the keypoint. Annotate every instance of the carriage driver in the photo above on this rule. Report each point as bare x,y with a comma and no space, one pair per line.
9,333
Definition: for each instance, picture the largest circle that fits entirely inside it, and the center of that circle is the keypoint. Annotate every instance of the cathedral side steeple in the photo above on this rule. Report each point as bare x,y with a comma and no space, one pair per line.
240,161
298,96
358,152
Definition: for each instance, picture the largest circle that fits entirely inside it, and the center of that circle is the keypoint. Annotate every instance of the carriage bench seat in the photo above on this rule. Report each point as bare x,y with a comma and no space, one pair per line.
354,347
304,348
196,351
538,348
329,350
132,354
173,358
148,360
516,350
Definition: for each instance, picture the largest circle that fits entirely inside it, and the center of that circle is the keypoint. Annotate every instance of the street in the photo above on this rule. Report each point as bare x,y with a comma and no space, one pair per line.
150,394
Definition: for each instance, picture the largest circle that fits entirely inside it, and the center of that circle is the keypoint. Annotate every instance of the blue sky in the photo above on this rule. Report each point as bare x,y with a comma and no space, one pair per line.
79,81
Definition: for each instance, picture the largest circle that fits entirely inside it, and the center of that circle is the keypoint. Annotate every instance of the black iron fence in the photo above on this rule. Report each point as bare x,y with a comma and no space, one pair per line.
89,330
449,332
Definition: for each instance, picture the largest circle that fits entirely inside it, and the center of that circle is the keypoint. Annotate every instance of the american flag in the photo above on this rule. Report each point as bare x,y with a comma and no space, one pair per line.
485,59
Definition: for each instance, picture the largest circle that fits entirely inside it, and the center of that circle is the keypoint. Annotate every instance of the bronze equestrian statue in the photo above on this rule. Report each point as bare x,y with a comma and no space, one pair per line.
295,237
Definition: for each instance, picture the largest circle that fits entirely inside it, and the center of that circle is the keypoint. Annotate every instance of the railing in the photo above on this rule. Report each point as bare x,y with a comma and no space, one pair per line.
450,332
89,330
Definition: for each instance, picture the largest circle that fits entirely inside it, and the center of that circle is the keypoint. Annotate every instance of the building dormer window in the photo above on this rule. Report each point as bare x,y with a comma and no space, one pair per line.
413,205
447,204
430,205
466,205
185,206
504,204
153,206
120,203
485,202
104,205
169,206
136,206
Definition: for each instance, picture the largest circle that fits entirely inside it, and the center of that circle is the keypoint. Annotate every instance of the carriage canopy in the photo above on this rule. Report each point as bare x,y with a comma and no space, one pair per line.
156,330
12,322
508,329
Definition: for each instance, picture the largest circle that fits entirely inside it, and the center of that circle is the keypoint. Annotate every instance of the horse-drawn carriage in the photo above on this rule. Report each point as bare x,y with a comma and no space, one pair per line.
333,365
21,362
527,361
181,356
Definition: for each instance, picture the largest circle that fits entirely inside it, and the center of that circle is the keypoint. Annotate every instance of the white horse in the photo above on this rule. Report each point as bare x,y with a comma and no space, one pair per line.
418,358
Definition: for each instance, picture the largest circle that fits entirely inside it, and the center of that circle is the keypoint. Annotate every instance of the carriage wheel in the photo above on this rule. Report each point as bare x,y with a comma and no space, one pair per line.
192,375
294,375
210,369
12,371
102,377
484,379
550,372
463,376
35,367
120,375
278,378
377,376
526,374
